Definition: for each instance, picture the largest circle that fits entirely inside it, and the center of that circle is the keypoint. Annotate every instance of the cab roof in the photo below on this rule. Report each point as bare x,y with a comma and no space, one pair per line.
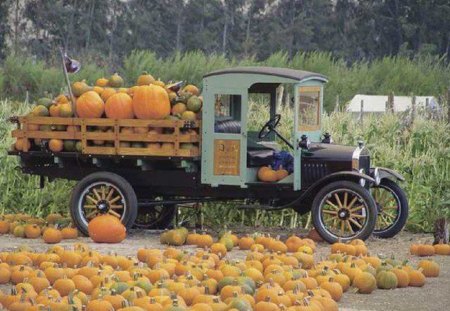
288,73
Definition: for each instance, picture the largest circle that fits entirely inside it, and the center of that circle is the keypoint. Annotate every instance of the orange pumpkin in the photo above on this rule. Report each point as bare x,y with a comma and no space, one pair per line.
267,174
52,236
145,79
281,173
102,82
106,229
90,105
191,89
56,145
151,102
119,106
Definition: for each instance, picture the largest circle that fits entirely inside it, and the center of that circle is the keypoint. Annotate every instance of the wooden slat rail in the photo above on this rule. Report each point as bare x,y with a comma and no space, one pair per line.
29,129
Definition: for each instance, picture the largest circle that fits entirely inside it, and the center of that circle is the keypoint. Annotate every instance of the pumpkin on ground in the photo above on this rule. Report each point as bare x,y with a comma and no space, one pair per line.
106,229
119,106
365,283
90,105
429,268
151,102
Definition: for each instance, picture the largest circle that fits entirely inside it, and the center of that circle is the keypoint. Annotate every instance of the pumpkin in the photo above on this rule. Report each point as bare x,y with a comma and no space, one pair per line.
69,233
281,173
107,93
56,145
429,268
119,106
386,280
334,288
22,144
64,286
425,250
65,110
151,102
188,116
416,278
365,283
178,109
106,229
52,236
246,242
90,105
442,249
115,81
40,111
79,88
192,89
267,174
145,79
219,249
32,231
194,104
101,82
402,277
204,240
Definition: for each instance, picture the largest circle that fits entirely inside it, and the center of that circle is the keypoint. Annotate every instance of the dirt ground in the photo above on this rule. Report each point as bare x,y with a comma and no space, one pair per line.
434,296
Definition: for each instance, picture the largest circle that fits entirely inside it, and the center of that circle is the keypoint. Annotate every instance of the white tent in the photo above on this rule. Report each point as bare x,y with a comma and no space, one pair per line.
378,103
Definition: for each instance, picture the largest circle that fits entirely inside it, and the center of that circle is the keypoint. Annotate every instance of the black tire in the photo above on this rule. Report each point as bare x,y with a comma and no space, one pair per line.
402,209
127,193
362,195
161,219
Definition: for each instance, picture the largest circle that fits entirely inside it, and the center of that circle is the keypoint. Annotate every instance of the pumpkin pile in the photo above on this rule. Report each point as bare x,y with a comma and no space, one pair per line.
53,229
430,250
267,174
149,99
273,275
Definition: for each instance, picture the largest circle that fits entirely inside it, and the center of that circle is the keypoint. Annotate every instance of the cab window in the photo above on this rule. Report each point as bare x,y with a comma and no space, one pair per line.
227,115
309,108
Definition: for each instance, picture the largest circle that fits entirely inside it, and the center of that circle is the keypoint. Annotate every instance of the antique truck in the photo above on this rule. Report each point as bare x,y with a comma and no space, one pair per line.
347,197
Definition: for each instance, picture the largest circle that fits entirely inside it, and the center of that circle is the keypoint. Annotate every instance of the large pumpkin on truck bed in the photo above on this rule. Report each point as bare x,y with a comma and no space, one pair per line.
119,106
151,102
90,105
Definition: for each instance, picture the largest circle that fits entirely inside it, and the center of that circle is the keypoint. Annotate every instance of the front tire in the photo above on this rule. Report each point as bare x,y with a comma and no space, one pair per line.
393,208
102,193
343,211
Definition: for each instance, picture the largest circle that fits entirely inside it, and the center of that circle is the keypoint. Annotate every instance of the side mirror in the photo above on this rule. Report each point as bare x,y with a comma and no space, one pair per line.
327,138
72,65
304,142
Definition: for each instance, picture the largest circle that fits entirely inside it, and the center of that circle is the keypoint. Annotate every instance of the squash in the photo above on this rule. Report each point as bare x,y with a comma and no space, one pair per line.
145,79
79,88
194,104
425,250
69,233
178,109
151,102
188,116
101,82
119,106
416,278
40,111
115,81
429,268
365,283
32,231
52,236
106,229
192,89
65,110
56,145
386,280
442,249
281,173
22,144
107,93
90,105
267,174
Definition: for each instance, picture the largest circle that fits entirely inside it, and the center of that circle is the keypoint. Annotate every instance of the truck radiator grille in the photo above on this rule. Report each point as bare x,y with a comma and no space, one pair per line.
312,172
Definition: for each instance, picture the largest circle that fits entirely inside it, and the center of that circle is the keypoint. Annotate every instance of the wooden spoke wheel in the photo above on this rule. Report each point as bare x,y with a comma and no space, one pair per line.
102,193
392,205
344,210
155,217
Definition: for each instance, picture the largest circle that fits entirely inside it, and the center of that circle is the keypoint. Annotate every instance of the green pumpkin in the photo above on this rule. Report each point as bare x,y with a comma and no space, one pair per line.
240,304
120,287
228,280
386,280
194,104
44,101
69,145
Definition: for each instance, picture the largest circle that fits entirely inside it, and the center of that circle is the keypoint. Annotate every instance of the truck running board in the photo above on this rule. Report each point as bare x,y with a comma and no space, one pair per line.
262,207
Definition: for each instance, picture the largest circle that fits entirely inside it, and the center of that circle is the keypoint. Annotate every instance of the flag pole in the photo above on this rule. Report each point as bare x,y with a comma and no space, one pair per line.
66,77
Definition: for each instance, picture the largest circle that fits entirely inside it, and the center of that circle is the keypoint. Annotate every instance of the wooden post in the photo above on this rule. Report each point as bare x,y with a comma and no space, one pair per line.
336,107
69,87
413,109
391,102
361,113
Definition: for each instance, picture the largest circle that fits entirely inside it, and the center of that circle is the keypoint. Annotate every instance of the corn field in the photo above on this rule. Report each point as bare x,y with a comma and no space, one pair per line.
419,151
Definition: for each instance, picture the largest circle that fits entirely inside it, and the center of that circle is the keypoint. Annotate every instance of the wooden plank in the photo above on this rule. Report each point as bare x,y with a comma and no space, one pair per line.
47,134
99,150
100,135
99,122
50,120
145,152
147,137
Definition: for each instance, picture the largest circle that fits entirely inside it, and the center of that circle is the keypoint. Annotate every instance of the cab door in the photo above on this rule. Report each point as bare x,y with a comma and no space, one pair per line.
308,114
227,160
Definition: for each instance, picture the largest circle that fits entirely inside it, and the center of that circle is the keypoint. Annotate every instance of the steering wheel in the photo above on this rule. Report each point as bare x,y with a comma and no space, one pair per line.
269,126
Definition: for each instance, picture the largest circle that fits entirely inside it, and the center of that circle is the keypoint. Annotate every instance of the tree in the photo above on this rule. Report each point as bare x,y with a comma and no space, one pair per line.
4,26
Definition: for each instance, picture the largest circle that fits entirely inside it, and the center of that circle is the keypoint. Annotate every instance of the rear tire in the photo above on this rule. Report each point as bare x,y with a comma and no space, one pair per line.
158,217
344,206
79,200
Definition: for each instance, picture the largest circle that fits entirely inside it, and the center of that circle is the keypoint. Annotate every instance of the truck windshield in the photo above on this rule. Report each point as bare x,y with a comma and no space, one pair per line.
308,108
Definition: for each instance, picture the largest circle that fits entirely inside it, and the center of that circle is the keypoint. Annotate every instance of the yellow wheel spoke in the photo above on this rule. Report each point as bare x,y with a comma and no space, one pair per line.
117,198
345,199
352,202
342,227
91,199
331,204
355,209
388,215
329,212
336,196
110,193
89,206
349,226
97,195
116,206
90,215
114,213
103,192
357,216
355,223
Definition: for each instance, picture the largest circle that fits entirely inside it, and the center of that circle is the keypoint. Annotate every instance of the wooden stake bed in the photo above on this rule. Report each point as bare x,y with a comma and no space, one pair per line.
176,132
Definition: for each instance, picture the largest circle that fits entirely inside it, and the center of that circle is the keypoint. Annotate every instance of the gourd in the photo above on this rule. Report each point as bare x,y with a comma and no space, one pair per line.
119,106
106,229
192,89
79,88
151,102
90,105
386,280
365,283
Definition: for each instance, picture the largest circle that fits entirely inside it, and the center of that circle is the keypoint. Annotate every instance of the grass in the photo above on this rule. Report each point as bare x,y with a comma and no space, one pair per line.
419,151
